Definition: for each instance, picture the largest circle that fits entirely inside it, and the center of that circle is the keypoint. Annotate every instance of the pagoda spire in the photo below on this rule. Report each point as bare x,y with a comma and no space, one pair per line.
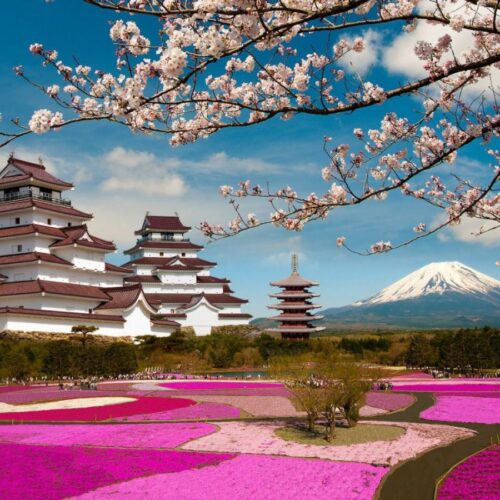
295,306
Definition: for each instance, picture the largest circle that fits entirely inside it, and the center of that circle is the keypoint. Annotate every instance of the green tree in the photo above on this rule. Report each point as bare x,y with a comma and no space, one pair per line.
120,358
84,330
58,360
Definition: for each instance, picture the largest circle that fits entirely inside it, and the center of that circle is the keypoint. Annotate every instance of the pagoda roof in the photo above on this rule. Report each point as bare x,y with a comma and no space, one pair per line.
227,289
16,205
28,171
296,294
296,317
62,314
111,268
52,287
186,298
293,305
294,280
296,329
79,235
8,232
142,279
162,245
123,297
162,223
23,258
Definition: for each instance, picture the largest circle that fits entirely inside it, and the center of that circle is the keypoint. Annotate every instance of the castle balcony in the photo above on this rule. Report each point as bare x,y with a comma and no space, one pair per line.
44,197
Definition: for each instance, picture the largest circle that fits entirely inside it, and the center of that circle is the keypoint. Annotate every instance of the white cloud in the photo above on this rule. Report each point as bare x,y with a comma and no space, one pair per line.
361,62
468,231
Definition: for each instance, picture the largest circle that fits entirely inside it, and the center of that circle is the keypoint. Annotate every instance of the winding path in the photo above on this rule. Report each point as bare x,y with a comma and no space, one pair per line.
417,479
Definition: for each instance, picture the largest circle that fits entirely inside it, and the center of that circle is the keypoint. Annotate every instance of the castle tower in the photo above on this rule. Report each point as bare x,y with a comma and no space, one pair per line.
295,306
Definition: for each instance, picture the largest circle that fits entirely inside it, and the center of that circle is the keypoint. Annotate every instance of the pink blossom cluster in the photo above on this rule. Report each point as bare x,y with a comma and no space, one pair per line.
209,384
477,477
480,410
251,477
446,386
389,401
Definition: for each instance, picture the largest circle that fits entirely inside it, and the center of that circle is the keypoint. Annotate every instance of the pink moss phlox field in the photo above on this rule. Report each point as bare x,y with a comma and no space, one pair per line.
254,391
152,436
478,477
14,388
258,406
248,477
464,409
260,438
389,401
415,374
213,384
54,472
139,406
439,387
369,411
201,411
52,394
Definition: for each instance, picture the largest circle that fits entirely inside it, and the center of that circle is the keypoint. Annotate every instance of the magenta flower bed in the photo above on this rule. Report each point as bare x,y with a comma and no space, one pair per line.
200,411
464,409
437,387
139,406
254,391
478,477
209,384
472,394
255,477
413,375
153,436
388,400
13,388
54,472
51,394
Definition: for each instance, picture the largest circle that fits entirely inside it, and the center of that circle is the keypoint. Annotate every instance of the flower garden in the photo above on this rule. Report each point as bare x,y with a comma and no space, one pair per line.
223,439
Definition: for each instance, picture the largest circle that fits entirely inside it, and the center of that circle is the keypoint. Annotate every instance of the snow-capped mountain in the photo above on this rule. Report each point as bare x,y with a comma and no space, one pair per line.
436,278
439,295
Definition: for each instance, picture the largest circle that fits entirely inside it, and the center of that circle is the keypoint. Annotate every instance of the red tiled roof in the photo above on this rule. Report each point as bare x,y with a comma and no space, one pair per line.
196,262
165,322
186,298
170,261
52,287
111,268
174,315
174,245
61,314
121,297
294,280
234,316
181,268
142,279
3,277
149,261
34,170
20,258
75,236
162,223
7,232
227,289
211,279
13,206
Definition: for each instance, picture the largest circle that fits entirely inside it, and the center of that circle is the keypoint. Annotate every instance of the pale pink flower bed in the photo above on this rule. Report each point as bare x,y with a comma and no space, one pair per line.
369,411
447,386
151,436
55,472
259,406
201,411
256,478
260,438
389,401
464,409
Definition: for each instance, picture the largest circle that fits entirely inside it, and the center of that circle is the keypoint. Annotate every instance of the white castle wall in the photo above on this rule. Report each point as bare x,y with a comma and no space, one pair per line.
82,258
51,302
31,216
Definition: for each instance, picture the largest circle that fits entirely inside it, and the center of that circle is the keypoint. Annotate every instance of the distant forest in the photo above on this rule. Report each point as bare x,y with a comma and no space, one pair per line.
239,347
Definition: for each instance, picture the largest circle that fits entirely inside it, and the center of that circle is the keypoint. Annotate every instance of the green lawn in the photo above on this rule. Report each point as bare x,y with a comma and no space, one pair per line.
361,433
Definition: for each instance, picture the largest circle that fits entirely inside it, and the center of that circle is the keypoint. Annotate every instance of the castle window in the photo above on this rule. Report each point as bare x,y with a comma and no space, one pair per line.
49,221
18,220
19,248
161,254
69,224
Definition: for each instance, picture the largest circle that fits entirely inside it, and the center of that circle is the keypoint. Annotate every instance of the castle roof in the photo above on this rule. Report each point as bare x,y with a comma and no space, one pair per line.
9,232
142,278
79,235
161,223
14,206
26,171
162,262
52,287
164,245
111,268
123,297
185,298
62,314
23,258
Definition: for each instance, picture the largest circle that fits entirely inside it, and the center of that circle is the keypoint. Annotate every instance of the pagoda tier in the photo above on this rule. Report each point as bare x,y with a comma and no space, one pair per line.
295,306
176,281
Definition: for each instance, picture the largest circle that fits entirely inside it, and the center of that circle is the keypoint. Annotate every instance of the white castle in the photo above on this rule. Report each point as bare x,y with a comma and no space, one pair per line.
54,275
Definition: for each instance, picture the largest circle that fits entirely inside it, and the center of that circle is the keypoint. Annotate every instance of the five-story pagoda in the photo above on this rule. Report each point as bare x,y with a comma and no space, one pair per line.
295,304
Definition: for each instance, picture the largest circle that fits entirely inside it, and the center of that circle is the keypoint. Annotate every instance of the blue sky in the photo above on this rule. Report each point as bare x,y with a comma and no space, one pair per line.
119,175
